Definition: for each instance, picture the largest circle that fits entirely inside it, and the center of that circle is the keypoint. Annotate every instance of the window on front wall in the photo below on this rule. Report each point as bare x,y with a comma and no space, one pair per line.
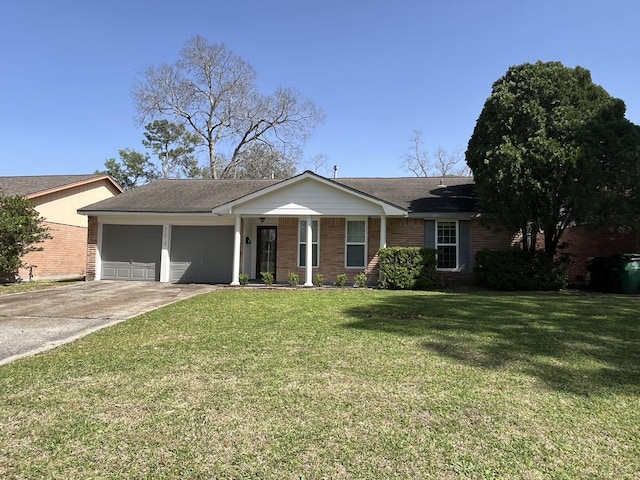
447,244
302,243
356,243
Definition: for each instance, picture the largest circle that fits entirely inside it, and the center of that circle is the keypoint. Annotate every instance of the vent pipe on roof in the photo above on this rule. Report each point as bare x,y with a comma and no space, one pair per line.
335,171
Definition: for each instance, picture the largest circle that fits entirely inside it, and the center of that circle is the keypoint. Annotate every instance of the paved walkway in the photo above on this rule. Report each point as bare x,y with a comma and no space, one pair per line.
32,322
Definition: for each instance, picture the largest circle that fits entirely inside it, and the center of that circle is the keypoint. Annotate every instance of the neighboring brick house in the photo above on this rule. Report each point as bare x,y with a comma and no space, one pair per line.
57,199
583,243
211,231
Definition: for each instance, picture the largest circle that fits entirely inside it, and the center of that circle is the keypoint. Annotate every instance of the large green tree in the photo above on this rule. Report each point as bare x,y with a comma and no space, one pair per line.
21,230
174,147
551,149
132,169
213,93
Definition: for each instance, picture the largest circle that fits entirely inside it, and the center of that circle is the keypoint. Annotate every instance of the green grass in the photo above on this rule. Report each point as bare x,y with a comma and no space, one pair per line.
8,288
337,383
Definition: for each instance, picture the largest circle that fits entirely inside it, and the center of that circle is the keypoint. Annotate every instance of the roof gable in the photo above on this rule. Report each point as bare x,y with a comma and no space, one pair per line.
308,194
38,185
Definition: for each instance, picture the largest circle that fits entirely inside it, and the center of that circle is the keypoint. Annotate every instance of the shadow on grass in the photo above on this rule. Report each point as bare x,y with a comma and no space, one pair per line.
586,344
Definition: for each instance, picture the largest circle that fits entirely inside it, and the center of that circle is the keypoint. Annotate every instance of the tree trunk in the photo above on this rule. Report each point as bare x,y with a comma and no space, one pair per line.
551,238
525,238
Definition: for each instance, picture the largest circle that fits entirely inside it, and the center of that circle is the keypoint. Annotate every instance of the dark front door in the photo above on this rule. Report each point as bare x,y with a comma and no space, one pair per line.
266,251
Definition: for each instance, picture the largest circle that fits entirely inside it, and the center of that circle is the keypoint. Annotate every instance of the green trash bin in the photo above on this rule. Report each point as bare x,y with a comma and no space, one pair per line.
628,269
617,274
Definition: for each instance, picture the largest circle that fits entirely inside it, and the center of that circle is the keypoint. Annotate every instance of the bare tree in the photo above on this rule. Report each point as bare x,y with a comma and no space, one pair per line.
319,164
442,163
213,93
259,161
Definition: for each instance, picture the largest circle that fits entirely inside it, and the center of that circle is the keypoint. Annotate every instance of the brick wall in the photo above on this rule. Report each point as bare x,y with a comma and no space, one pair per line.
584,243
483,237
332,250
405,232
400,232
286,254
63,255
92,246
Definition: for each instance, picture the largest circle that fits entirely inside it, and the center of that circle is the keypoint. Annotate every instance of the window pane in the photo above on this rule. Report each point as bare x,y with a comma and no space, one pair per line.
355,255
302,252
303,231
447,257
356,231
447,232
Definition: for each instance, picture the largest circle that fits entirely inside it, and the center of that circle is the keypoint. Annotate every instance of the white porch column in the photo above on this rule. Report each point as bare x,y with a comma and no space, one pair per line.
235,277
308,271
383,231
165,258
98,260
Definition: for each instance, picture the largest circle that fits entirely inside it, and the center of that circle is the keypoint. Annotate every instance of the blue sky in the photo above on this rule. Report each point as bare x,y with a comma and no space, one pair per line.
379,69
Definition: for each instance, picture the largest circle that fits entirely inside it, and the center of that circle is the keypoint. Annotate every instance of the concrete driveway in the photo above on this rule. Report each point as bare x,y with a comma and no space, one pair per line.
36,321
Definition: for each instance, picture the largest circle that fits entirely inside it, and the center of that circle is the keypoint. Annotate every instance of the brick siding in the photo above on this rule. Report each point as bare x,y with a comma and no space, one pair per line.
400,232
483,237
63,255
405,232
584,243
92,247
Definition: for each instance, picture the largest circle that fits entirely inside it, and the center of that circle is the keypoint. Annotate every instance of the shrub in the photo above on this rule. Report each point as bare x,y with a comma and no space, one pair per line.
519,270
267,278
407,268
294,279
243,278
21,230
341,280
318,280
360,280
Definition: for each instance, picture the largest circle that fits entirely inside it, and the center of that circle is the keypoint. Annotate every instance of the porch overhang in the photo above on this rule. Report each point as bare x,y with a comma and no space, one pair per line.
309,194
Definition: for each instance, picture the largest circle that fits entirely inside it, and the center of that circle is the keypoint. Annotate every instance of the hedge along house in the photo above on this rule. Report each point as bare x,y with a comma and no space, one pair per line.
211,231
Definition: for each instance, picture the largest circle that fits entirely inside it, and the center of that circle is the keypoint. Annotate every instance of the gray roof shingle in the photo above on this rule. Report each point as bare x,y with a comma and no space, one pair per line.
416,194
179,196
31,185
420,194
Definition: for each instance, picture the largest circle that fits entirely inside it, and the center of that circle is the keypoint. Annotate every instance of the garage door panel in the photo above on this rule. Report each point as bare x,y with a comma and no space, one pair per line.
128,271
108,271
202,254
131,252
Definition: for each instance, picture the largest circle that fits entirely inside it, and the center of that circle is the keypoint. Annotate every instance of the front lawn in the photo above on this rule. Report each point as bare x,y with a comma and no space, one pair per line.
337,383
9,288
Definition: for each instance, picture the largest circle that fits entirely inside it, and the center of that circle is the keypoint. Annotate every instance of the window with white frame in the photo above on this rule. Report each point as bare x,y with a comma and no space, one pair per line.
447,244
356,244
302,243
